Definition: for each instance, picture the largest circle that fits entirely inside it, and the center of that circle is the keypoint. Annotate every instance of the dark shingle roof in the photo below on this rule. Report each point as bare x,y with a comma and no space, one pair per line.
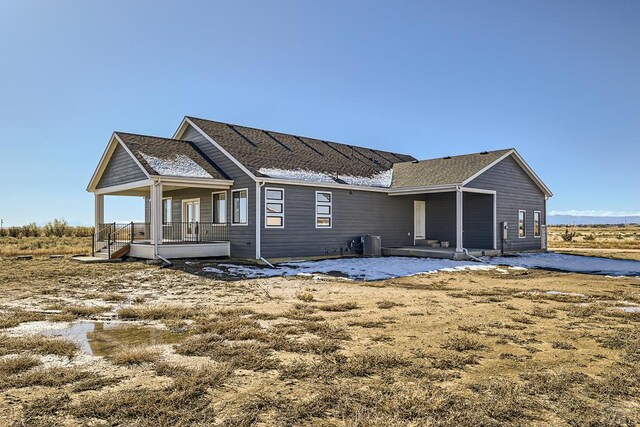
442,171
170,157
260,149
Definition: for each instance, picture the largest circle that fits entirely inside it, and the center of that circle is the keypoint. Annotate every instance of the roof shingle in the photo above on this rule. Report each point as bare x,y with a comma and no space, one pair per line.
172,157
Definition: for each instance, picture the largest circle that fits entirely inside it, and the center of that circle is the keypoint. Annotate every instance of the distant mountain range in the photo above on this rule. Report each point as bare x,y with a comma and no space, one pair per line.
591,220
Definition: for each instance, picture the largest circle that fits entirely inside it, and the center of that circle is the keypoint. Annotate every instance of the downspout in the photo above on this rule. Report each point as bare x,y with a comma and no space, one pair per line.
259,185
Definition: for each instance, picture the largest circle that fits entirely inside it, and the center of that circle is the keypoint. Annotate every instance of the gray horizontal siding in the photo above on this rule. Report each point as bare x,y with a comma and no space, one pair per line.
515,191
242,236
441,217
477,221
121,169
355,213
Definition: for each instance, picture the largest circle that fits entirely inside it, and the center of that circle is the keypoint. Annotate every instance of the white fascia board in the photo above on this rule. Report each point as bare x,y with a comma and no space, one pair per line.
123,187
193,182
518,158
477,190
532,174
486,168
420,190
282,181
178,133
215,144
102,164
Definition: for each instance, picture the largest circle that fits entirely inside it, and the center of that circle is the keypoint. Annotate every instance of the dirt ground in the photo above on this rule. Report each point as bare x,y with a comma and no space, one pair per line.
500,347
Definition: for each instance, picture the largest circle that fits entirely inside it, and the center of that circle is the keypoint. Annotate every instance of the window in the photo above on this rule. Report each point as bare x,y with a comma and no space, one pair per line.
274,208
522,216
324,209
166,210
240,204
219,207
536,223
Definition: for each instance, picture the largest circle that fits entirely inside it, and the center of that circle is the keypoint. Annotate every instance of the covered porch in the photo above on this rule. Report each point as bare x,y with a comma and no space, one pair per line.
451,222
168,231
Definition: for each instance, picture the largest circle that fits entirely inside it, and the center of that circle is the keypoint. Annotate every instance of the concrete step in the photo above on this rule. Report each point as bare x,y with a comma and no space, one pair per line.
428,242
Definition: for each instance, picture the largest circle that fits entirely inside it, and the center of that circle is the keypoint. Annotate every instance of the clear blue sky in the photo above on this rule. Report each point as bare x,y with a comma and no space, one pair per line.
558,80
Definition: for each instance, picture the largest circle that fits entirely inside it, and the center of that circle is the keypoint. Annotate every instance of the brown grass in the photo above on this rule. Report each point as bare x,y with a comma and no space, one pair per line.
36,344
12,246
135,356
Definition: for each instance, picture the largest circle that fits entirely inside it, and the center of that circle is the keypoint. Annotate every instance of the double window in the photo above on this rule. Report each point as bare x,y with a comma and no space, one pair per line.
536,224
274,208
219,207
522,221
324,209
240,207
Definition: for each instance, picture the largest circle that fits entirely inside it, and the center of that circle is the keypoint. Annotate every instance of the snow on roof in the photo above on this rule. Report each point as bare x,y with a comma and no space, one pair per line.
381,179
181,165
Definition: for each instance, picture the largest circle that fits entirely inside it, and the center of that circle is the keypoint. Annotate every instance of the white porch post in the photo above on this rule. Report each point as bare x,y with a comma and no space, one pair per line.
98,211
459,231
156,213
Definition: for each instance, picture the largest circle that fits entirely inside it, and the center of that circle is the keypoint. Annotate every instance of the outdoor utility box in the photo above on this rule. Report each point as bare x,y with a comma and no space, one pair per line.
505,228
371,245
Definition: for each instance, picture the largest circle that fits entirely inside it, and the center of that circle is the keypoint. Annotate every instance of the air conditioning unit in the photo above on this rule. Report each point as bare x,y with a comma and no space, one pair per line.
371,245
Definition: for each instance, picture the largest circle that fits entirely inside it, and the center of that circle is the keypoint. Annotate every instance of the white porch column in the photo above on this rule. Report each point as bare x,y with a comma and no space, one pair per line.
98,211
155,209
459,244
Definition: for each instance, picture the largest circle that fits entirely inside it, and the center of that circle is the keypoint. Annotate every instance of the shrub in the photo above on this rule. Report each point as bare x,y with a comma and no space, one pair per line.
56,228
590,237
568,236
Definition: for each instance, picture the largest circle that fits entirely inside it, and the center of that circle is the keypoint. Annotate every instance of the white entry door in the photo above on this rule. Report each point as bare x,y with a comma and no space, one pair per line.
190,218
419,219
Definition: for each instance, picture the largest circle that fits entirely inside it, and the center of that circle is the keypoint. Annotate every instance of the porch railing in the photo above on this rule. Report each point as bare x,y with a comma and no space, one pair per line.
195,232
110,237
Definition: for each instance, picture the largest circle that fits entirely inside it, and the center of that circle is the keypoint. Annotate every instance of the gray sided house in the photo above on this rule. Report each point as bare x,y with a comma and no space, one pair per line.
217,189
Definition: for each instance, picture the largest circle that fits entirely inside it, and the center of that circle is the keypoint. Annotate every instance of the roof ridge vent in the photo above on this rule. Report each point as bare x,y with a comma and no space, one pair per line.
416,161
484,152
447,158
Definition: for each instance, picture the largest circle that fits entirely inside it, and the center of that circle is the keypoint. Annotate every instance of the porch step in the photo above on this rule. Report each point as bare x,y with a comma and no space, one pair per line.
428,242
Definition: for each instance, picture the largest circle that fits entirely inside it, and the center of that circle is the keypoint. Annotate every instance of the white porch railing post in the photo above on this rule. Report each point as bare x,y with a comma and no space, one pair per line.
459,231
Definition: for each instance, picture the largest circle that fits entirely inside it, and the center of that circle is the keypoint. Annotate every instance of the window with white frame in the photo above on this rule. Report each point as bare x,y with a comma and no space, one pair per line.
274,208
536,224
324,209
522,219
166,210
219,207
240,207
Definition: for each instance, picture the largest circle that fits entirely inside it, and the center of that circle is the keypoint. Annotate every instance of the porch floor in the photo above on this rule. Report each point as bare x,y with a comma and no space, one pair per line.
442,253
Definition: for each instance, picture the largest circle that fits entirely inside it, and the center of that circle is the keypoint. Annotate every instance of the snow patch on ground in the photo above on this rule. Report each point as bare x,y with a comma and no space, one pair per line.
381,179
630,309
180,166
354,268
570,263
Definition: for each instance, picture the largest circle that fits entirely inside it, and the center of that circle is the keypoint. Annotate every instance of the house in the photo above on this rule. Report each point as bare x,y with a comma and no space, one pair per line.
217,189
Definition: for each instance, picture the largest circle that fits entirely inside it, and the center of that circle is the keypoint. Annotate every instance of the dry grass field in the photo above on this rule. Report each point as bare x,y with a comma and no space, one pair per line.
42,245
621,242
505,347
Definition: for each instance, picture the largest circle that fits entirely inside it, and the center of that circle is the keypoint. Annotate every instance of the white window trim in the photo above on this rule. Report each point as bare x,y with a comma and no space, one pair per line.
330,204
213,208
169,211
539,224
239,224
184,210
268,214
524,223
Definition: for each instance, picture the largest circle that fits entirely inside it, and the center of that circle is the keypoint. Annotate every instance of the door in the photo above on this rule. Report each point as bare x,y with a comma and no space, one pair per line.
190,219
419,220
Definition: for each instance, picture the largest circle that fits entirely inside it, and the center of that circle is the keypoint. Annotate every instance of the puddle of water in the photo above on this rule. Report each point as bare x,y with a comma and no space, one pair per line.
102,338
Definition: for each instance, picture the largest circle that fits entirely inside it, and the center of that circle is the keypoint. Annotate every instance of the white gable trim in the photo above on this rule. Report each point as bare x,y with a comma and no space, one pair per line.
518,158
181,130
104,161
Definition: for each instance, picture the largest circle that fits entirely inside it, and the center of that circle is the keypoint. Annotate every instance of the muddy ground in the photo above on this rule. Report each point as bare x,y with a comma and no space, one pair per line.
161,347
